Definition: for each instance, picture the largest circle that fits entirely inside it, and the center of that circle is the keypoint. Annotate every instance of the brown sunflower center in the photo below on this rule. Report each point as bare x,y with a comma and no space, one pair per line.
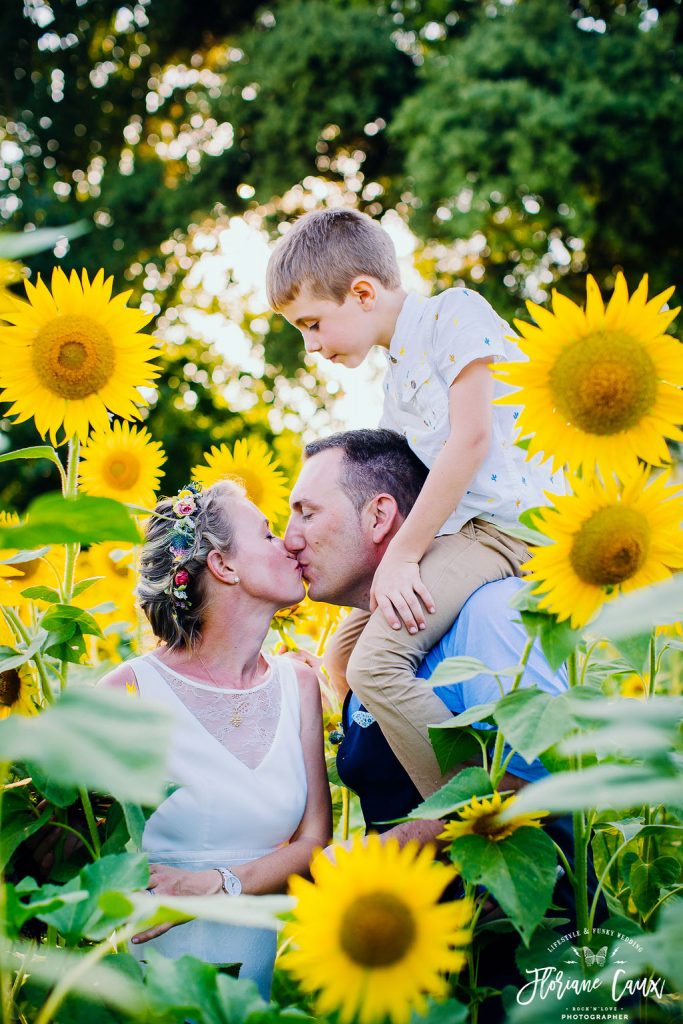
611,546
377,930
73,356
488,825
118,567
604,383
121,471
10,688
29,569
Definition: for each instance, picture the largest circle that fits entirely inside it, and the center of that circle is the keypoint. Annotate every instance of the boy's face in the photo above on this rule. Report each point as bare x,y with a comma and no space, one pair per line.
343,334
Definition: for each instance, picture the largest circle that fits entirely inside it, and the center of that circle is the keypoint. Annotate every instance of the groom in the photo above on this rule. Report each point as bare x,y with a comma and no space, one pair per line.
351,497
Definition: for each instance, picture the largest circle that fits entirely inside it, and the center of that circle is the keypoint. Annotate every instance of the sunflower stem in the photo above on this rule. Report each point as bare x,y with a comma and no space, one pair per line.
581,836
497,768
5,972
346,813
320,648
71,491
652,681
17,625
92,823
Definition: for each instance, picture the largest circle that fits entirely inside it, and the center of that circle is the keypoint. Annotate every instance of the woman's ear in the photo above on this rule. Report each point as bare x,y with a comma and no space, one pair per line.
384,517
219,567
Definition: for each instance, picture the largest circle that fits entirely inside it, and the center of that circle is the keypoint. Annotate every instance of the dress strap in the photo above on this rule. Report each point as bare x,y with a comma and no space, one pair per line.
284,668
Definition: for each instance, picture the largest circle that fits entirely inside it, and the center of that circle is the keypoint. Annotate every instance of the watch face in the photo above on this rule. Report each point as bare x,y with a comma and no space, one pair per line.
231,883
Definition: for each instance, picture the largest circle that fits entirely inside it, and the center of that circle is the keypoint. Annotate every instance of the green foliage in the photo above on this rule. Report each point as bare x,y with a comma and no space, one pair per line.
458,791
518,871
53,519
90,738
516,131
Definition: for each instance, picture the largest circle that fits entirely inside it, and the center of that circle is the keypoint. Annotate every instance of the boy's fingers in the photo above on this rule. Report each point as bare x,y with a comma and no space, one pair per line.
416,608
404,610
425,596
388,612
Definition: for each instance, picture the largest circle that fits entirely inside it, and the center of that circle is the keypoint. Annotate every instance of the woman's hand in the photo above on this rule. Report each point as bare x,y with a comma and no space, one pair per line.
168,881
306,658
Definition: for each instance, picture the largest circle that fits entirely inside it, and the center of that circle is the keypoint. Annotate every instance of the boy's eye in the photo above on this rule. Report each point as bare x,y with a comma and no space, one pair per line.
314,326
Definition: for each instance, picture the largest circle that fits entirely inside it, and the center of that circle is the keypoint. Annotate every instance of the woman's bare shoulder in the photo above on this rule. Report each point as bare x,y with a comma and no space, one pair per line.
120,678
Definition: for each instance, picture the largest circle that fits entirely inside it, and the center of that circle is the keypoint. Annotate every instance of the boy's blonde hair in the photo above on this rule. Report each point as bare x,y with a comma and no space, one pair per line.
325,251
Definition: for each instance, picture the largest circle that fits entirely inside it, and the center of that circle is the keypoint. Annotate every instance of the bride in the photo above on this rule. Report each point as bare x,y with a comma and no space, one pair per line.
253,801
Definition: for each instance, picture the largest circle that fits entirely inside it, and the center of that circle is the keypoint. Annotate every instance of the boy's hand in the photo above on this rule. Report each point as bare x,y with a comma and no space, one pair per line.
397,590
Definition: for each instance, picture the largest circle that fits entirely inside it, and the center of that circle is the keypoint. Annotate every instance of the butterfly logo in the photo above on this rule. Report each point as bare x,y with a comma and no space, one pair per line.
598,959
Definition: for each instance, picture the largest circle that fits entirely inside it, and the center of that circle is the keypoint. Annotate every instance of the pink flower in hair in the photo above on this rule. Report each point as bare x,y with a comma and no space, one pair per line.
182,577
184,506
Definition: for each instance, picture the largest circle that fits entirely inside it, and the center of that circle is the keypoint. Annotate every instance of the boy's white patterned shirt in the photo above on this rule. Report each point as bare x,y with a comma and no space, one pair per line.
434,340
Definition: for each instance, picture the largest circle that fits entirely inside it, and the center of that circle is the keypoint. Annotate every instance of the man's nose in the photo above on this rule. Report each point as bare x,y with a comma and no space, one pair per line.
293,539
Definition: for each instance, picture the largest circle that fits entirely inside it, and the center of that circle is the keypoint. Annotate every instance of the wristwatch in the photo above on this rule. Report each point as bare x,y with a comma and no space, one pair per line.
231,884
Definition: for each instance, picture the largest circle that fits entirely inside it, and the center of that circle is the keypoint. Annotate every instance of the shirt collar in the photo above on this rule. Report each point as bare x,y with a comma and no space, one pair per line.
407,323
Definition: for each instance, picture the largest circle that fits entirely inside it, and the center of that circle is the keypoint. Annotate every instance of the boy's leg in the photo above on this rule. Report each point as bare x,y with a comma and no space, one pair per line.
382,667
339,647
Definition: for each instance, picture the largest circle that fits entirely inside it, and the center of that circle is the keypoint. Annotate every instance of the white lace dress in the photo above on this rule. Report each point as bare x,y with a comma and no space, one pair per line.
238,759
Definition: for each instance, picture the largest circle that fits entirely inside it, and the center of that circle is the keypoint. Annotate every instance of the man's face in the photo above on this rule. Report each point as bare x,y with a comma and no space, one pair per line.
341,333
333,545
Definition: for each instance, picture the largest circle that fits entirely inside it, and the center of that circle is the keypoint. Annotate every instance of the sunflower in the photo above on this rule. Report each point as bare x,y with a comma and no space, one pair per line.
19,692
124,463
115,563
43,570
606,538
10,273
601,385
491,818
73,355
253,464
10,586
633,686
370,936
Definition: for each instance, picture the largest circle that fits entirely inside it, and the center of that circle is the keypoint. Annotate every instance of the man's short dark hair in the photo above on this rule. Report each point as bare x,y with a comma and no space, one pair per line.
375,462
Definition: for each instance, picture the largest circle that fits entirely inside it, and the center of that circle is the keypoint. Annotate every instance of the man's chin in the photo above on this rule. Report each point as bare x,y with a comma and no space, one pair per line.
318,592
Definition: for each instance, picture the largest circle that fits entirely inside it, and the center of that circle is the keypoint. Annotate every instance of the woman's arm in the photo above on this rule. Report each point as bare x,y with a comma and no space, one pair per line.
269,874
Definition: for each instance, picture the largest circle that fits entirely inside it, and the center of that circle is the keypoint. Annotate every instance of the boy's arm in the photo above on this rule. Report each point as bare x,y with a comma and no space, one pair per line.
397,587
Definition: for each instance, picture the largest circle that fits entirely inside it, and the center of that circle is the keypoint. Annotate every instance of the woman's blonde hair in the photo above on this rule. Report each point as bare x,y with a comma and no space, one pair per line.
179,624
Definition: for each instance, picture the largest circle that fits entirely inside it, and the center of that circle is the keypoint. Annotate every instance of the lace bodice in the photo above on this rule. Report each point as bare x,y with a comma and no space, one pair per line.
243,721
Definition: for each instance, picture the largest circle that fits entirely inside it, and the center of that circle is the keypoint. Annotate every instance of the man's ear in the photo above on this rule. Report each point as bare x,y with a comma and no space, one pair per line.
365,290
219,567
384,517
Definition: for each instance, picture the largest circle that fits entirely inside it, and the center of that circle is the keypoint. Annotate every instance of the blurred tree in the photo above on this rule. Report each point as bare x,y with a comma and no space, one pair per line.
552,147
524,141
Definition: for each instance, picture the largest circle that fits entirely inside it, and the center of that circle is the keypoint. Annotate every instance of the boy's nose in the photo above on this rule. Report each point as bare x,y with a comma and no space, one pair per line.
311,344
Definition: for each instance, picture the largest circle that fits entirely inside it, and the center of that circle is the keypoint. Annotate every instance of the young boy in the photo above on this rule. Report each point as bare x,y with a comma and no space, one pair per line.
335,277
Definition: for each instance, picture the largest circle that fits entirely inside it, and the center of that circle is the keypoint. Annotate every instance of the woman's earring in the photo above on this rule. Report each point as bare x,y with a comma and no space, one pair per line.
236,579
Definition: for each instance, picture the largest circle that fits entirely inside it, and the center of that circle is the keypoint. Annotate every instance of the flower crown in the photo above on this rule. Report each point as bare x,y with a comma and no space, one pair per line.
183,534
